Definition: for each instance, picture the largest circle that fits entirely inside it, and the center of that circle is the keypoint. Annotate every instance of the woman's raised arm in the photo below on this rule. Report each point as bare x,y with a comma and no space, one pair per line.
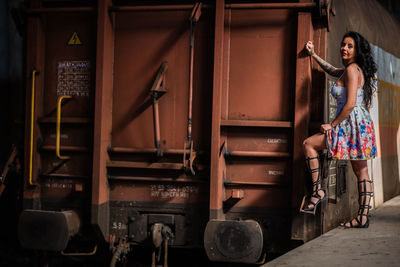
328,68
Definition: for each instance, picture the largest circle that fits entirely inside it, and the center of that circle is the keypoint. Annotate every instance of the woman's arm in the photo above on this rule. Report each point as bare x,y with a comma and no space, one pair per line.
328,68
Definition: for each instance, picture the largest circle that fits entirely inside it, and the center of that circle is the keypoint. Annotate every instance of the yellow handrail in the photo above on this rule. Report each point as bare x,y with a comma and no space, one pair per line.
59,101
32,127
80,253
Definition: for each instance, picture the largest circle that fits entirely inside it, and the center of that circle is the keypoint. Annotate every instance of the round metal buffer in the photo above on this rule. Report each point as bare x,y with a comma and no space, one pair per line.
235,241
47,230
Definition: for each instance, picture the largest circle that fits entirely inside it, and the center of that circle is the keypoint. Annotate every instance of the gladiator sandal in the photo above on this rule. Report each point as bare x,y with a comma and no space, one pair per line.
363,211
310,206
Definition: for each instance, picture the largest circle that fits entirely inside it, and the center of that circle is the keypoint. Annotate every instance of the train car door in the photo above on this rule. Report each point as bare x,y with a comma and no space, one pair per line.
61,53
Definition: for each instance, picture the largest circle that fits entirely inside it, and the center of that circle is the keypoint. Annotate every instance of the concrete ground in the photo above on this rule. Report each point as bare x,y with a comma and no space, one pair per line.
378,245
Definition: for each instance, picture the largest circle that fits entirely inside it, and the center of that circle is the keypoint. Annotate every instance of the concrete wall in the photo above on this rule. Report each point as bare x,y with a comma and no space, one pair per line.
382,30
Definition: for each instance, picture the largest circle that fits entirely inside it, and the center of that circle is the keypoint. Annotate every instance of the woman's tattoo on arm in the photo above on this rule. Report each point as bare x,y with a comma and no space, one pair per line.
328,68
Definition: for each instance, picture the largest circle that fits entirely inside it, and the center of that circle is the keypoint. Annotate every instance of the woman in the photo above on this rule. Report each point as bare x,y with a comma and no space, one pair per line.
351,134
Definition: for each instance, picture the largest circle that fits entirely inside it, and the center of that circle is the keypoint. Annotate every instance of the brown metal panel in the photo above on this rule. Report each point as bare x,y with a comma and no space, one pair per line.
147,179
216,179
158,192
263,197
301,120
318,79
69,71
272,6
261,65
71,134
77,165
147,39
61,72
102,118
65,188
275,171
256,139
259,109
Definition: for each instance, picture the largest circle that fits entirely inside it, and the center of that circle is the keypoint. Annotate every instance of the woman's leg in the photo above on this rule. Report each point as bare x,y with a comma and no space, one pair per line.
311,146
360,168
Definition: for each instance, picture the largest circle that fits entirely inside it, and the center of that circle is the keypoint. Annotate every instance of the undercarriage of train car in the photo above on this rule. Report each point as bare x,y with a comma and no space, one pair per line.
168,126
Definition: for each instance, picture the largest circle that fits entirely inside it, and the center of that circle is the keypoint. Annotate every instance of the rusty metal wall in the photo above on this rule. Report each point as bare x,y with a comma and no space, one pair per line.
257,117
159,184
60,61
253,92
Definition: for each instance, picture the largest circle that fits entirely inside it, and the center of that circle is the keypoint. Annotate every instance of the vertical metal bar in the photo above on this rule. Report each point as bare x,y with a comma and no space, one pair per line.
216,181
194,17
32,126
189,130
156,119
301,119
102,118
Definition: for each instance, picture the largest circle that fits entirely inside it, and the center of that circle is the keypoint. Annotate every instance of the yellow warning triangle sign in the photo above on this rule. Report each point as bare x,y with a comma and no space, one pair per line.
74,40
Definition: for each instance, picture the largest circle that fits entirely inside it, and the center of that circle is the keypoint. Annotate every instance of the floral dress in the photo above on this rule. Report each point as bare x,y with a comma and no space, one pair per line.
354,137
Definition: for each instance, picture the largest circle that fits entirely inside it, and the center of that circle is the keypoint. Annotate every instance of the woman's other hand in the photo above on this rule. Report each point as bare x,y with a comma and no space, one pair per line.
325,127
309,46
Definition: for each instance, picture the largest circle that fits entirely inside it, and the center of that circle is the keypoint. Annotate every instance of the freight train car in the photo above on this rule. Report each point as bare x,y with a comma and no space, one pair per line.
170,126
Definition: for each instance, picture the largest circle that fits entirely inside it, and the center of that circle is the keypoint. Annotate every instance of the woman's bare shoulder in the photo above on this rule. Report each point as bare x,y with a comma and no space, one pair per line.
354,67
352,70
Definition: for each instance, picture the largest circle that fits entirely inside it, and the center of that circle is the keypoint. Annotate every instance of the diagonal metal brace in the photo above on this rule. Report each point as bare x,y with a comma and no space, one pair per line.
196,12
158,90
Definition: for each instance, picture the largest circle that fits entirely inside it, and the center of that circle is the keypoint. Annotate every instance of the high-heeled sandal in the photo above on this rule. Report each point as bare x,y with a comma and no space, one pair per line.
363,210
317,187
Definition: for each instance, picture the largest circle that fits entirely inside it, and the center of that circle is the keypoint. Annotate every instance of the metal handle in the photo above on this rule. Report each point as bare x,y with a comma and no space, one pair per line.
32,127
80,253
58,134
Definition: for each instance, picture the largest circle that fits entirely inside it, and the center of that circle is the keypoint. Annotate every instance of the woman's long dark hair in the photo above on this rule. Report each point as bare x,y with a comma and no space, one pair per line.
366,62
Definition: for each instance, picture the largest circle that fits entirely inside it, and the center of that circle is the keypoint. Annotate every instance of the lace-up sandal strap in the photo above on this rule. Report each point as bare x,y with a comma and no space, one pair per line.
308,162
359,221
364,192
317,182
364,215
313,203
365,206
365,180
371,194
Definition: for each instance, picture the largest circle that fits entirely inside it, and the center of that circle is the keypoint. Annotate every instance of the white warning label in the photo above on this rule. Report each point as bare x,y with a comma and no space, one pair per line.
73,78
